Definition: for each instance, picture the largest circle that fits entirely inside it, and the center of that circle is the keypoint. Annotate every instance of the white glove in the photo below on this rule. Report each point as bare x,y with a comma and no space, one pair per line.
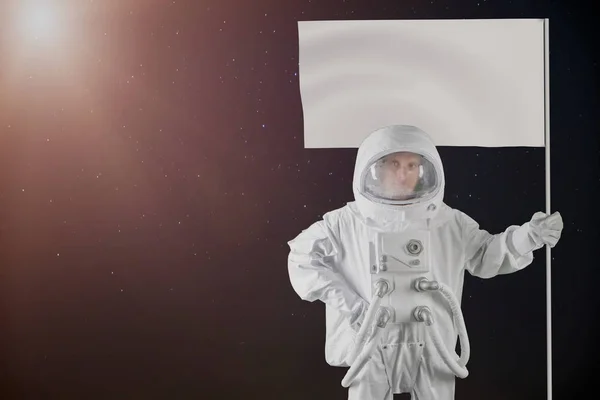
543,229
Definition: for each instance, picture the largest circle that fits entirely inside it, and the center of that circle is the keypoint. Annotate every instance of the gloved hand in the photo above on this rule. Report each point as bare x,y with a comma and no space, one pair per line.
543,229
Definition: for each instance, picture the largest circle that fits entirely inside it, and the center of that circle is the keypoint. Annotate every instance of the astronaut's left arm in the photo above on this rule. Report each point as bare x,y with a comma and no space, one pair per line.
488,255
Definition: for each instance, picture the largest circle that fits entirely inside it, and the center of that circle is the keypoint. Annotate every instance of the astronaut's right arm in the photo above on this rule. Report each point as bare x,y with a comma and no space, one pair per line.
314,276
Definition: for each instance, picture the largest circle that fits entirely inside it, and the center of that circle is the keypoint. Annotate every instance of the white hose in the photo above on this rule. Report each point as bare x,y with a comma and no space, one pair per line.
360,354
361,336
465,347
458,370
362,359
455,363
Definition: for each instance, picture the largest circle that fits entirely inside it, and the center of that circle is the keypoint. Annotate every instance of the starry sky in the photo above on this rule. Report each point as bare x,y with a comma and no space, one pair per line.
152,170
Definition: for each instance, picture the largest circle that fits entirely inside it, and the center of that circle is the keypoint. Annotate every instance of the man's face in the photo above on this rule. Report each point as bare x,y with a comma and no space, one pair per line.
400,174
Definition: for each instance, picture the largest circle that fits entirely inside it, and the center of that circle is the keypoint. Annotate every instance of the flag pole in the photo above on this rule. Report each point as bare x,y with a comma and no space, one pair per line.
548,209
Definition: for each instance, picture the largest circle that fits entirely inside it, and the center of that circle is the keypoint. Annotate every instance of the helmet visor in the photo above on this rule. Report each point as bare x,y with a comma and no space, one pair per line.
400,176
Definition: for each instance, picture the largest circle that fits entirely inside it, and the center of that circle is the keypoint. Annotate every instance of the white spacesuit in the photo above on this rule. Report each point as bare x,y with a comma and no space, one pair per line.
399,187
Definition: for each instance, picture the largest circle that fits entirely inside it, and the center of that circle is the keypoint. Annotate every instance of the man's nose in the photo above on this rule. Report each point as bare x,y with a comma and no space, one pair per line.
401,174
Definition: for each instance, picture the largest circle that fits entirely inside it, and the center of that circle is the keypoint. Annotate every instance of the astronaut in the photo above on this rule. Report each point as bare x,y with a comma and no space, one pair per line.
398,188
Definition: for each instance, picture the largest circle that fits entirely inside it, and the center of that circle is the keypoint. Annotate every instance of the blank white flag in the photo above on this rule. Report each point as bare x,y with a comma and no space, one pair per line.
465,82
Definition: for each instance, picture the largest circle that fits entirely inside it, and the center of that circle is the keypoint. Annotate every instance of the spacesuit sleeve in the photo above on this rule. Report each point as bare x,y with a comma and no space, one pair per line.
313,273
488,255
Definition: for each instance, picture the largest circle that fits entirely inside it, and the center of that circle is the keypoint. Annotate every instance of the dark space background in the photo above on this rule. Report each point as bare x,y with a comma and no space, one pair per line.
152,170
